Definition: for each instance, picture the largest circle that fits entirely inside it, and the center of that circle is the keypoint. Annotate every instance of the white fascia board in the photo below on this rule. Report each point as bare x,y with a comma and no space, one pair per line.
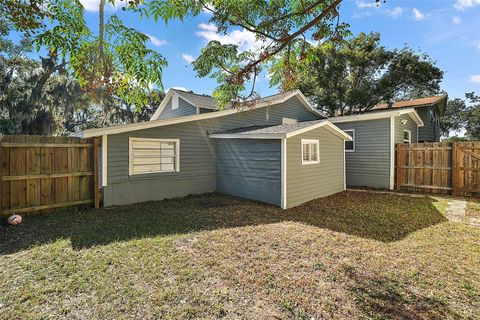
364,116
164,122
333,128
378,115
247,136
414,115
162,105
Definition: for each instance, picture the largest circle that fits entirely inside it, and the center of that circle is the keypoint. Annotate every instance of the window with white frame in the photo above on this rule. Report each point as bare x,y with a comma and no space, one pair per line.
310,151
153,155
350,145
407,136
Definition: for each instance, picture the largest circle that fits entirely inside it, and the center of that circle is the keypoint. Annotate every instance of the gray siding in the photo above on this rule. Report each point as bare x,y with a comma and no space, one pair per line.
197,155
369,165
430,132
311,181
250,169
399,127
184,109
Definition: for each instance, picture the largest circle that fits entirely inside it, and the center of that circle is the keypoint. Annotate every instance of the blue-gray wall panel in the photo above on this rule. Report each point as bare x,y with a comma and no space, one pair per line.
369,165
250,169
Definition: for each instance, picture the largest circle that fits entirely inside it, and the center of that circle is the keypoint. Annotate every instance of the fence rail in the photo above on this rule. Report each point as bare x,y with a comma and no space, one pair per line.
452,168
40,174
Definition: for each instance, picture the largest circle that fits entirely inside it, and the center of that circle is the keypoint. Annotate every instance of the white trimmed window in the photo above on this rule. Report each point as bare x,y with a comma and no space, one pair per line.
153,155
350,145
407,136
310,151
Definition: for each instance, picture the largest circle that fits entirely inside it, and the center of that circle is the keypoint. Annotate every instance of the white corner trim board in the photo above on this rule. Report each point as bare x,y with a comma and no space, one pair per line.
284,174
392,152
104,159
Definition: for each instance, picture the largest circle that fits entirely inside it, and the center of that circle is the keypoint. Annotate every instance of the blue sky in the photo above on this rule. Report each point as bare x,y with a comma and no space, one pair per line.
448,31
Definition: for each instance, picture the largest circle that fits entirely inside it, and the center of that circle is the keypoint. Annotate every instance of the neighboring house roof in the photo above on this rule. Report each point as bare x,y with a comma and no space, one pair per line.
379,115
415,103
279,131
261,103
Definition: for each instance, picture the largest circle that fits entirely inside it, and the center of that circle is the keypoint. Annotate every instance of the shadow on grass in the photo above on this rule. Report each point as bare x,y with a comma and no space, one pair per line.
382,298
383,217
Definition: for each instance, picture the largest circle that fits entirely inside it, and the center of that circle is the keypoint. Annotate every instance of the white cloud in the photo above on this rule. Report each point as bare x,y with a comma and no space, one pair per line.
155,41
475,78
456,20
395,12
463,4
367,4
208,27
244,39
93,5
187,57
418,15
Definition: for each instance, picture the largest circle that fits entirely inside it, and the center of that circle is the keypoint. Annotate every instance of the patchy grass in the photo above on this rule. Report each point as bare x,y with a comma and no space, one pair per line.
352,255
473,209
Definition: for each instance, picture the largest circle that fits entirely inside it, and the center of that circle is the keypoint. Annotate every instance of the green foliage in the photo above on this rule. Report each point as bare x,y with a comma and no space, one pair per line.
41,97
280,28
354,75
472,117
454,117
117,63
462,115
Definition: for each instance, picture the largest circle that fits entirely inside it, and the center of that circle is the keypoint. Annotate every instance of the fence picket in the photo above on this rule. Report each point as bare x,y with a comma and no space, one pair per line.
44,174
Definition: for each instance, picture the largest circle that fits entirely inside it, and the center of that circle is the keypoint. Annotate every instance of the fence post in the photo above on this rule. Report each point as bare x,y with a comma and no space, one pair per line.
454,169
96,193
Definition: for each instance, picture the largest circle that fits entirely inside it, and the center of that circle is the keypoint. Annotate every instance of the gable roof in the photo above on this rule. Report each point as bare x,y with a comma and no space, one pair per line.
379,115
415,103
279,131
261,103
195,99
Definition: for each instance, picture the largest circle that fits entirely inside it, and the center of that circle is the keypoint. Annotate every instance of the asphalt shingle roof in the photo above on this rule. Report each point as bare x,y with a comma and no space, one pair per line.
410,103
278,129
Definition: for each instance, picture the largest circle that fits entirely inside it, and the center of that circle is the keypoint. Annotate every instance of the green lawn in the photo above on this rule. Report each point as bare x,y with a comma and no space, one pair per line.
353,255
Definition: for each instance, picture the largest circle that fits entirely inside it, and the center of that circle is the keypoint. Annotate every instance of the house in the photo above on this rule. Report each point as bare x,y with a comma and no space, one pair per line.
370,156
178,103
278,150
430,110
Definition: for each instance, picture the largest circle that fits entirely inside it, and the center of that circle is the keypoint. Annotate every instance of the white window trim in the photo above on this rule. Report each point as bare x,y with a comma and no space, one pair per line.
409,136
310,141
130,154
353,140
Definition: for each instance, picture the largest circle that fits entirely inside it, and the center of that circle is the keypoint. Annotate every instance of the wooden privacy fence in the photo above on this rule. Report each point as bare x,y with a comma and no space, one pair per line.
39,174
452,168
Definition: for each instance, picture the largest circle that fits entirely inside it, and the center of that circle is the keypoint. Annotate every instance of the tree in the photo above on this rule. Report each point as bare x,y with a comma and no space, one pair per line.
114,62
462,115
352,76
472,123
40,97
280,27
454,117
